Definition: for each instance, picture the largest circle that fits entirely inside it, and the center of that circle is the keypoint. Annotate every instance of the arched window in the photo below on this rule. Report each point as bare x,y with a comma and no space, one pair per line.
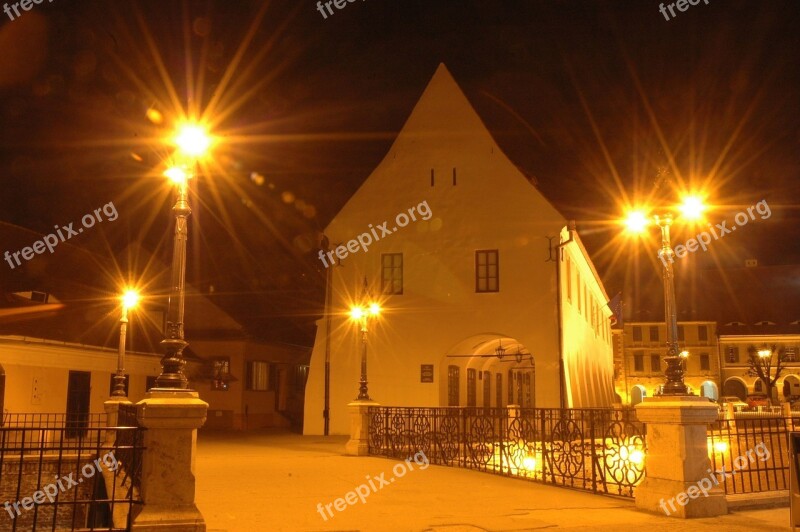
637,394
759,386
453,390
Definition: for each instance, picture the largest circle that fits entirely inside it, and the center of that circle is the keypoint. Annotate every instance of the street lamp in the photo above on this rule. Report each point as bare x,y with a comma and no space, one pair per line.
129,300
361,314
192,142
637,222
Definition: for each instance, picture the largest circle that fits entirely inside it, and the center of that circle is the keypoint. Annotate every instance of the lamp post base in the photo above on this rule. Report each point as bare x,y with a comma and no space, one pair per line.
674,374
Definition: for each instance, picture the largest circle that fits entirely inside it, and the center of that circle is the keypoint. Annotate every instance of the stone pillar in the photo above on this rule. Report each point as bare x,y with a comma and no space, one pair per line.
677,458
112,416
168,482
513,415
358,444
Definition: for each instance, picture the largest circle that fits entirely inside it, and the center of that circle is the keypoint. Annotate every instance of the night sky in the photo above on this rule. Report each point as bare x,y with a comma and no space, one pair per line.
590,99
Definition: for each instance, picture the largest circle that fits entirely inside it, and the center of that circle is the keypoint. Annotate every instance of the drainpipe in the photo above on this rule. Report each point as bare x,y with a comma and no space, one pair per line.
559,316
326,412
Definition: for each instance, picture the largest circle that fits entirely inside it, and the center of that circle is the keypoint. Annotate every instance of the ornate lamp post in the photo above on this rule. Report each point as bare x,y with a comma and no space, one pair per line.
637,222
361,315
129,301
192,143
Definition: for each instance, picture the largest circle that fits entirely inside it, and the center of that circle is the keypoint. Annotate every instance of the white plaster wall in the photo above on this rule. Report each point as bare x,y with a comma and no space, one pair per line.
492,206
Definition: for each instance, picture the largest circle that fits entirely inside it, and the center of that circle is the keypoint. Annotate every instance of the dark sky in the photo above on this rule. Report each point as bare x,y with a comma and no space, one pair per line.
589,98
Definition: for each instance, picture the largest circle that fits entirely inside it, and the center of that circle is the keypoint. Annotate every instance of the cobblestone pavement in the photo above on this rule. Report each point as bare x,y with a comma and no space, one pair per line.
267,481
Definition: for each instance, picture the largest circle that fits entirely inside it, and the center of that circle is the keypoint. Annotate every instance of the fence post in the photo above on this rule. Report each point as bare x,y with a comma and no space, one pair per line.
168,482
358,444
677,458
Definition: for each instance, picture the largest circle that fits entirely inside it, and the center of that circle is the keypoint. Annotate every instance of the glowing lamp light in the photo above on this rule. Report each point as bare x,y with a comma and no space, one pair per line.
720,447
765,353
636,457
374,309
529,463
692,208
154,116
636,221
684,354
357,313
177,175
192,140
130,299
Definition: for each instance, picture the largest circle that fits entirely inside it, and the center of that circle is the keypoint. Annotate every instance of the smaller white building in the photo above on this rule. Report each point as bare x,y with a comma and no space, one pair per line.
489,298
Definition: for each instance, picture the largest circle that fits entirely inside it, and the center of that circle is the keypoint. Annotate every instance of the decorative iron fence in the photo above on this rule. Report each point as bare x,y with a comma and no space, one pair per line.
55,475
750,454
601,450
131,448
40,427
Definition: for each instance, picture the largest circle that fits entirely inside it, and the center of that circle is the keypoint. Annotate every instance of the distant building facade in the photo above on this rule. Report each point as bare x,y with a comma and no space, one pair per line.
489,297
734,350
640,352
43,369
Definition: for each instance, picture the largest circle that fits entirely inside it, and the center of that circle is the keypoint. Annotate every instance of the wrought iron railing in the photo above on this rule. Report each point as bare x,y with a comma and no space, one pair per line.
132,453
749,455
68,480
601,450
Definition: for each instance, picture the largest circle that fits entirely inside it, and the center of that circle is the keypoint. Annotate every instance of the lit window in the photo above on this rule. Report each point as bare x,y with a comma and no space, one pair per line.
453,389
392,273
257,376
655,363
472,387
487,275
638,361
569,280
222,372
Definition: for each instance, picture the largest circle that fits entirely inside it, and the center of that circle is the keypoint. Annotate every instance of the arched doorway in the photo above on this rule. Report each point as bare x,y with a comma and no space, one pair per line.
638,392
709,389
489,370
735,386
791,386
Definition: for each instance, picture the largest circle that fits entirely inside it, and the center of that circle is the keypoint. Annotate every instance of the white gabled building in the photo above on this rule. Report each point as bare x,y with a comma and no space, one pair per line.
480,269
